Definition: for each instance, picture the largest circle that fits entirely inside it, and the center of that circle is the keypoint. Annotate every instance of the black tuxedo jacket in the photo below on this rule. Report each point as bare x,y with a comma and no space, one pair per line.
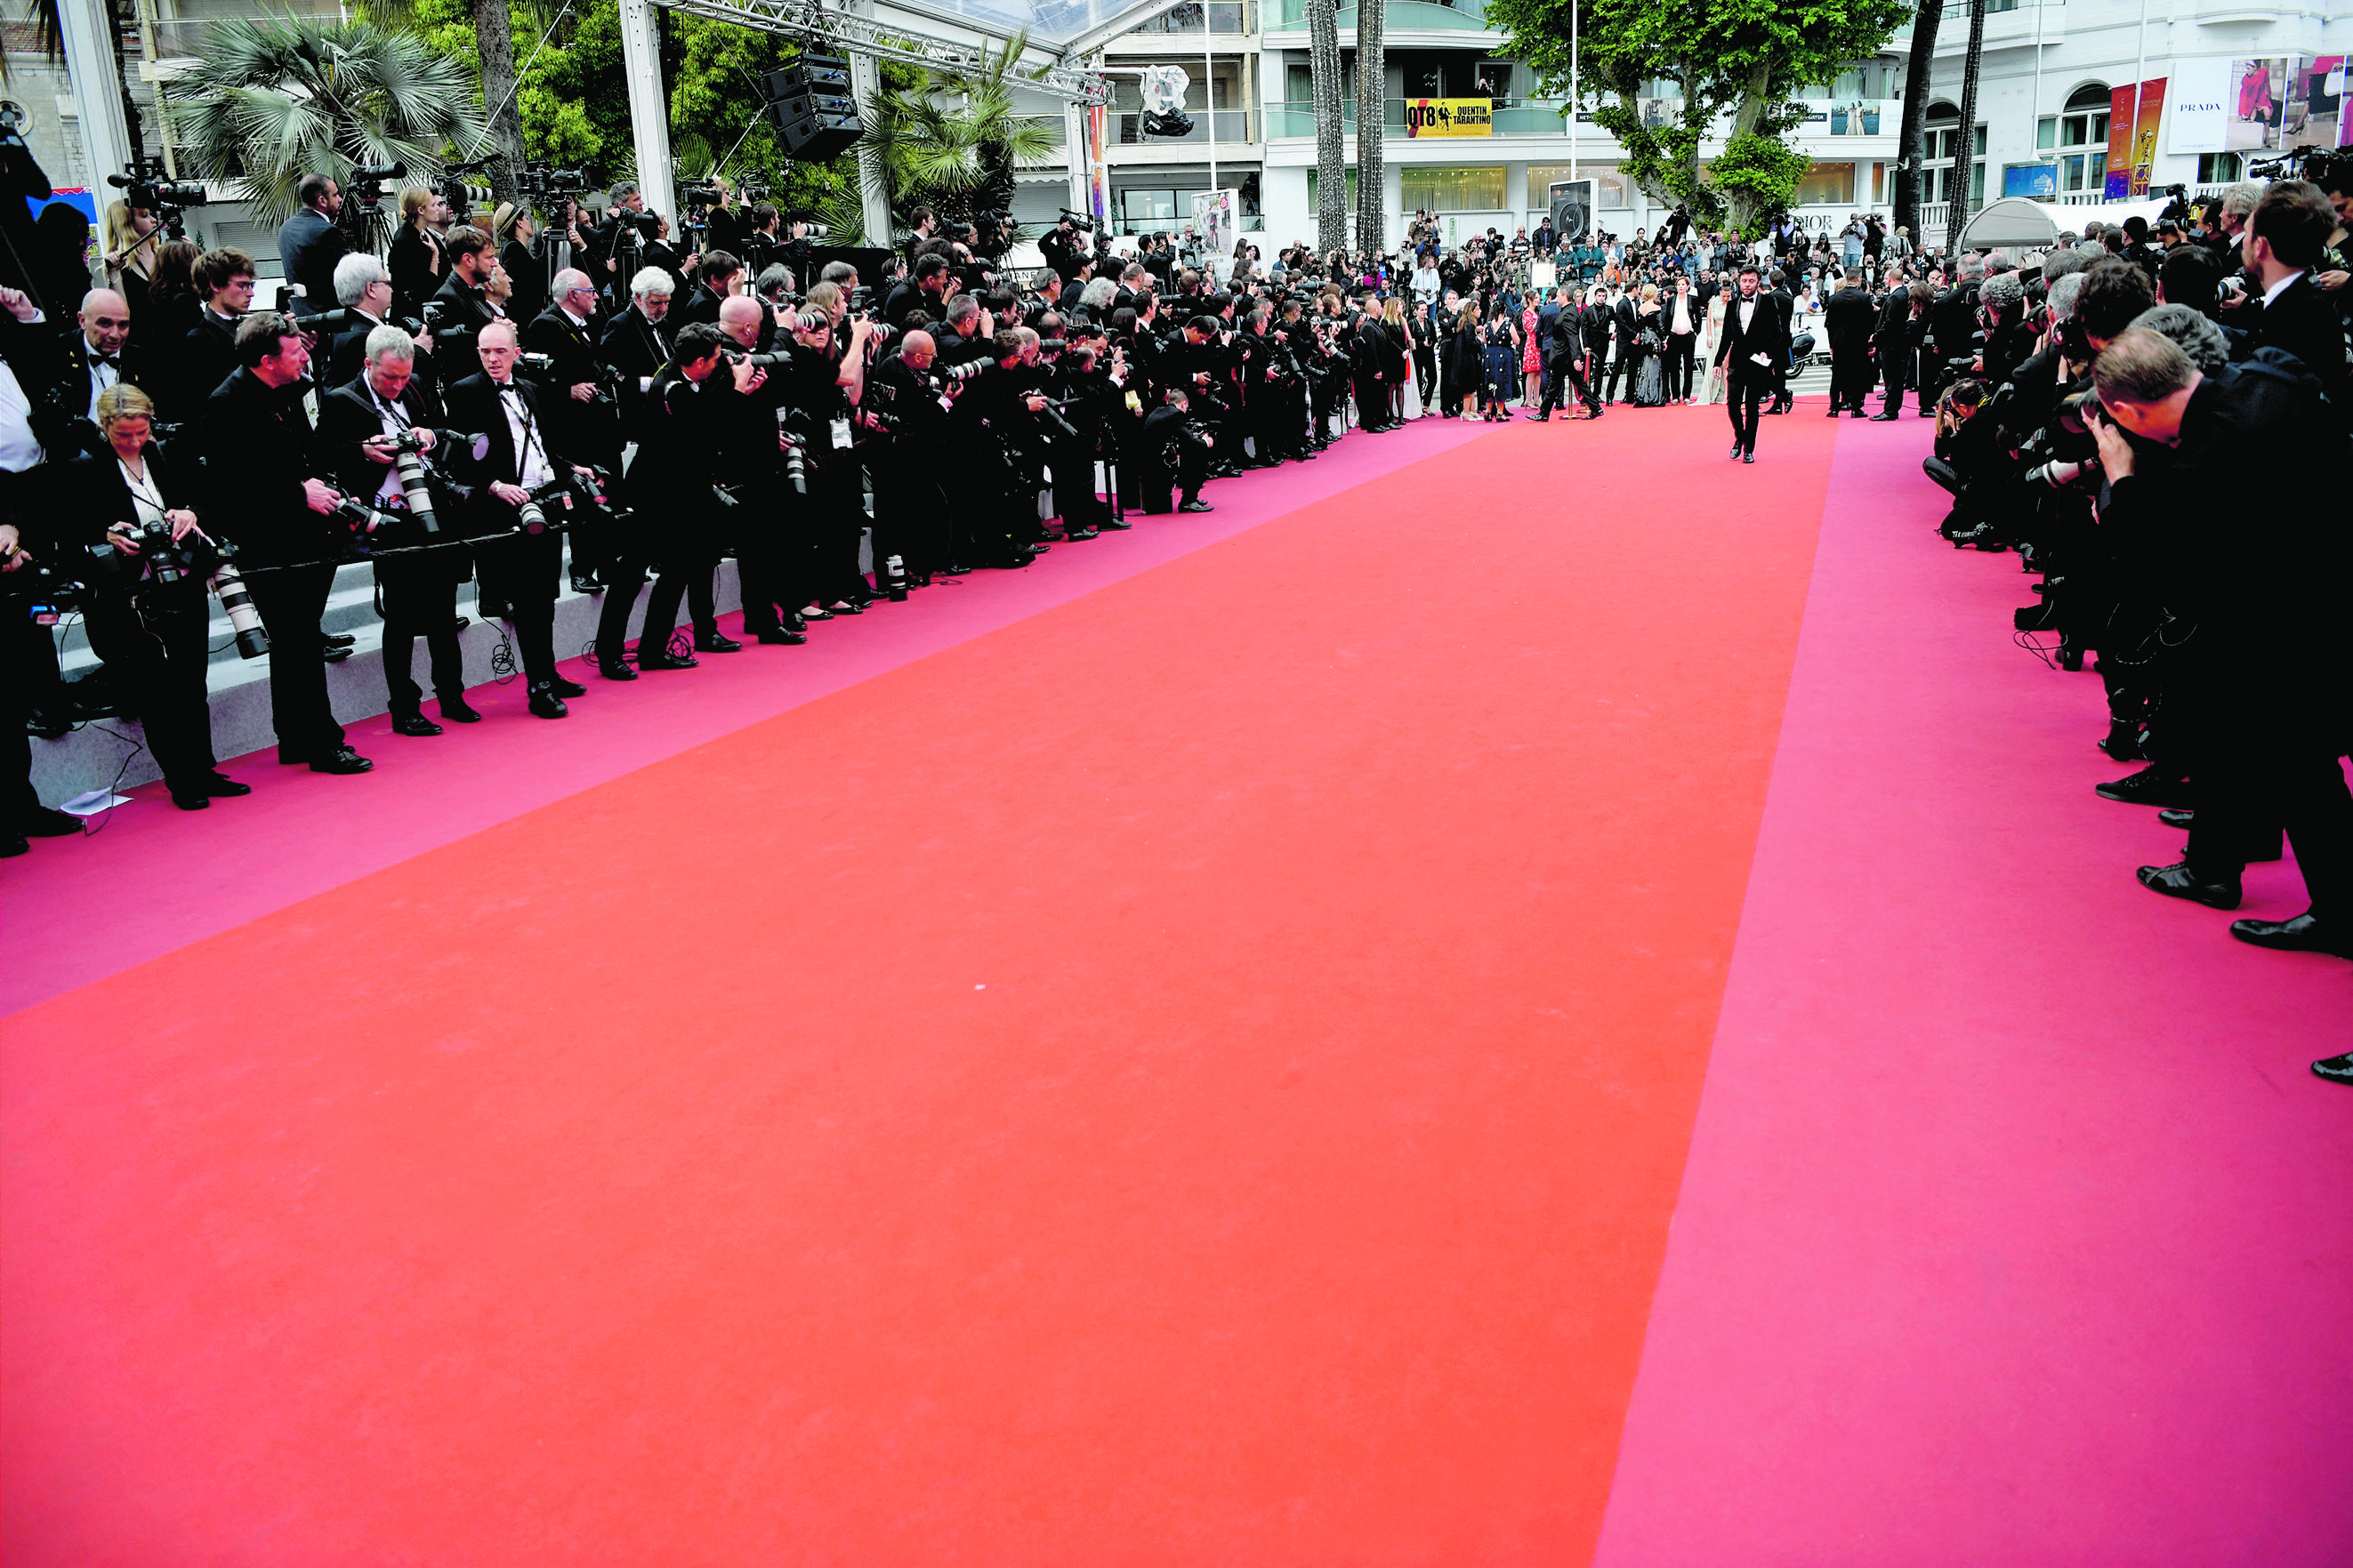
1767,333
100,498
347,417
309,246
206,355
1847,319
2302,321
466,314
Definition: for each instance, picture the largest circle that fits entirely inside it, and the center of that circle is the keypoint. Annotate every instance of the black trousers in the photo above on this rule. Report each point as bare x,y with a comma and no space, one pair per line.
1682,348
160,664
420,600
910,518
1564,367
1749,384
684,571
290,602
1895,372
2259,767
1621,363
1851,377
523,572
1425,374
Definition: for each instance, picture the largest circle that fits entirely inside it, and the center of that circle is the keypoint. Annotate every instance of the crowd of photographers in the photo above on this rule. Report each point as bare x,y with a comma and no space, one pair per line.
507,402
2160,433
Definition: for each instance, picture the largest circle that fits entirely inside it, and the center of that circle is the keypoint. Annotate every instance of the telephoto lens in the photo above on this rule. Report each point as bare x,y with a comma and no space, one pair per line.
531,518
894,572
228,585
414,485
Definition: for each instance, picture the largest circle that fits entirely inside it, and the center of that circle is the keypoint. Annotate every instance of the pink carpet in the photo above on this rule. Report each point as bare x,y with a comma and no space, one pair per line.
2015,1229
195,875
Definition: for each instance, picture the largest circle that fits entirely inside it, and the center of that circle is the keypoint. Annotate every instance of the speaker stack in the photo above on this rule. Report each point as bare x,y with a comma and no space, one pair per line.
815,112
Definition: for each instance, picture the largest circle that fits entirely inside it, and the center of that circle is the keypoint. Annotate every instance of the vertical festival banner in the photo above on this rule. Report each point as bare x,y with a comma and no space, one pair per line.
1098,172
2133,120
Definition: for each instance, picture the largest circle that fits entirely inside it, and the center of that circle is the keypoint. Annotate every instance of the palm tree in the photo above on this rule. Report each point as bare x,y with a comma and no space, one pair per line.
1372,119
49,32
951,144
269,102
495,57
1909,161
1965,149
1331,158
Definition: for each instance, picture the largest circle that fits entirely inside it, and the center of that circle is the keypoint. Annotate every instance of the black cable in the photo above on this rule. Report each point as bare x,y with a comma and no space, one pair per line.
88,829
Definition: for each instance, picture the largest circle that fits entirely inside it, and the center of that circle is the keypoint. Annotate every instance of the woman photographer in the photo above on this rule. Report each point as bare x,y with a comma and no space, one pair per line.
152,635
526,267
418,259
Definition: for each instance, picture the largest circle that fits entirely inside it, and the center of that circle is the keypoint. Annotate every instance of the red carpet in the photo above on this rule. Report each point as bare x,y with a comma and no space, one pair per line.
1201,1073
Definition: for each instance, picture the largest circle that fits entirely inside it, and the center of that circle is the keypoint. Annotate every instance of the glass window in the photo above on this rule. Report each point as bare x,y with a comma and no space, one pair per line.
2046,135
1609,184
1451,190
2092,95
1350,197
1827,185
2217,168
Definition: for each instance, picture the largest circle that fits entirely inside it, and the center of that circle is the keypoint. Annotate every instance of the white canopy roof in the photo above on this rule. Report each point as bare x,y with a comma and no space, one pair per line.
2017,223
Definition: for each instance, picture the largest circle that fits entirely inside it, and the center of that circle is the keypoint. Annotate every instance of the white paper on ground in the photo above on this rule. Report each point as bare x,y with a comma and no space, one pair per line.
91,802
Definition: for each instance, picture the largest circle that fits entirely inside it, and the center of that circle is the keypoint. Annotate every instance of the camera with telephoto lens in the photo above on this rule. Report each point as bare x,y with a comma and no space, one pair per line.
756,361
144,185
572,492
177,569
362,519
701,195
536,364
2078,413
366,183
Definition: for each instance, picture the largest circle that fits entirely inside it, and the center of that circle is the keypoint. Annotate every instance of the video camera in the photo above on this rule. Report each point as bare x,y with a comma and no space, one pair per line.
1079,221
539,181
142,185
365,185
454,189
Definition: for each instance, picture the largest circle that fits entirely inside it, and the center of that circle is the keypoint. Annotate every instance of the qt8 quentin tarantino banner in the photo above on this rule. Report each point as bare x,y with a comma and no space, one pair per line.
1448,116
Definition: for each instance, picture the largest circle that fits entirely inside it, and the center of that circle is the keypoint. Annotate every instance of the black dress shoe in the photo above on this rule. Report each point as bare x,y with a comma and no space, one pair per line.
819,613
955,569
339,639
456,711
342,760
1195,505
2123,740
778,634
413,724
2148,787
1113,523
647,662
2176,817
2186,881
564,687
1070,533
717,642
222,786
1747,456
335,655
1736,451
13,845
586,585
2302,934
1836,412
43,823
848,608
192,800
1882,418
545,703
2336,1070
615,669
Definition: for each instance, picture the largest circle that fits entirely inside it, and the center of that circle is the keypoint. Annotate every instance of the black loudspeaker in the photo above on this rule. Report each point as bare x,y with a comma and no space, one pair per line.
814,110
818,73
813,136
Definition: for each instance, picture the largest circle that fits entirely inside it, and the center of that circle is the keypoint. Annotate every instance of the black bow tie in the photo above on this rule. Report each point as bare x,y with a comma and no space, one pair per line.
106,360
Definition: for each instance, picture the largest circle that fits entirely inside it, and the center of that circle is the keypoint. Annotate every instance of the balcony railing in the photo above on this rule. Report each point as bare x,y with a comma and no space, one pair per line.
1403,16
1196,17
1526,117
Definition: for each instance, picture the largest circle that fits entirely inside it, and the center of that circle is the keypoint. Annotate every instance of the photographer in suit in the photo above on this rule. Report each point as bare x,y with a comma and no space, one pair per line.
255,437
461,308
637,345
97,357
1752,346
152,635
361,427
674,529
206,354
2260,659
2285,238
309,245
583,418
365,288
1849,320
520,569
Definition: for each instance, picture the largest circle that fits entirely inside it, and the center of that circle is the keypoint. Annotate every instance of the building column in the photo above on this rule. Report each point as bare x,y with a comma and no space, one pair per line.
873,195
89,30
649,107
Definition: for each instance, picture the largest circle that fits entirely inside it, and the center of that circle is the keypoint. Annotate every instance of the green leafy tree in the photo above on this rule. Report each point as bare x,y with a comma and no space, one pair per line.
1746,58
270,102
949,141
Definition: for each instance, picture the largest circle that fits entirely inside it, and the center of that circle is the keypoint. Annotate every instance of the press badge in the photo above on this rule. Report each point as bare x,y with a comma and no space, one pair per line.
841,433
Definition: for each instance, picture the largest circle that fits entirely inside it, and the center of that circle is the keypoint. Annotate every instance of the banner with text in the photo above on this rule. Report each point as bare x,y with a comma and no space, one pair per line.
1450,117
2133,119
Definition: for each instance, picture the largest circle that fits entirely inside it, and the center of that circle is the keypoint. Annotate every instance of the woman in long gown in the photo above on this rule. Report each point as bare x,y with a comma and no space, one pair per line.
1649,386
1531,355
1712,387
1499,364
1463,361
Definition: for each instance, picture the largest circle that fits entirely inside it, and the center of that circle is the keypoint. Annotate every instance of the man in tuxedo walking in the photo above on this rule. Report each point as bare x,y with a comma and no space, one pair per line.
1754,344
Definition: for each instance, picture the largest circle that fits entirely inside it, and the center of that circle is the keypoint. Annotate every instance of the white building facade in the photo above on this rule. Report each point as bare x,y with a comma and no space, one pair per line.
2046,124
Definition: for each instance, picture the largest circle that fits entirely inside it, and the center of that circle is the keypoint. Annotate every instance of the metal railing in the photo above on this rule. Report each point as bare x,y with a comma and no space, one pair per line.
1403,16
1234,125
